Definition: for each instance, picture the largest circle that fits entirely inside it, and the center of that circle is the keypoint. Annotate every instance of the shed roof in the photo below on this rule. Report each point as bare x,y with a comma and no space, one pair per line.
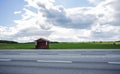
42,39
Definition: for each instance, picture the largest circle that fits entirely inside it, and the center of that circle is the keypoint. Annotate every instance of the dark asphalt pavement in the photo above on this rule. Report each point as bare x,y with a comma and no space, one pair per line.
60,61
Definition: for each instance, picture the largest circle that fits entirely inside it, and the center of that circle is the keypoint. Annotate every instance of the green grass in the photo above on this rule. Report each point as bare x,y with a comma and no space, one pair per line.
17,46
87,45
65,45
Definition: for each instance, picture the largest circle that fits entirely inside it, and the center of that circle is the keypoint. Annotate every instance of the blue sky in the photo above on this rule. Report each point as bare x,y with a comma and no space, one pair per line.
74,3
7,8
59,20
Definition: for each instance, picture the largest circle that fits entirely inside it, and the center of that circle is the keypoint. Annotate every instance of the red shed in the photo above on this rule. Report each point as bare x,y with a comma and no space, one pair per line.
41,44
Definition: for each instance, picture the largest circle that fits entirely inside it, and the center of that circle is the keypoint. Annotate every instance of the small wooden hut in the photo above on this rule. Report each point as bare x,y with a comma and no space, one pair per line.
42,44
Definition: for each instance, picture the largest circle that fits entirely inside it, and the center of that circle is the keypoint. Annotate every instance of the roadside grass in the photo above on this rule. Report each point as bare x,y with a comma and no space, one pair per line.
86,45
17,46
66,45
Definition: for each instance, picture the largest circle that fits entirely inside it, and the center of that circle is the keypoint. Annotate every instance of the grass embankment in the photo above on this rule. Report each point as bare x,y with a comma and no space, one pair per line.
65,45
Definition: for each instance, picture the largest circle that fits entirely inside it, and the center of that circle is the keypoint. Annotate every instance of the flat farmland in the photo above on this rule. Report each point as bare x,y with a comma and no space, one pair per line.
65,45
17,46
86,45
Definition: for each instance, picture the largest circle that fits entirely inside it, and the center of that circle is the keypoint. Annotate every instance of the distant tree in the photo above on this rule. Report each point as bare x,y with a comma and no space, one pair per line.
5,41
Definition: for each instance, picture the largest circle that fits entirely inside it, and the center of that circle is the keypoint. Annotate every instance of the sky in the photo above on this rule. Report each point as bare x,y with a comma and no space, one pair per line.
60,20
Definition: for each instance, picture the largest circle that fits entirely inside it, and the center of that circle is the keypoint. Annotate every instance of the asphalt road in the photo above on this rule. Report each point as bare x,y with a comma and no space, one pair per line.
60,61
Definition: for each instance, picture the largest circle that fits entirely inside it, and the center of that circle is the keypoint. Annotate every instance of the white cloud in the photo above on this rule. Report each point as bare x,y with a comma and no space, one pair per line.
57,23
17,12
107,12
95,1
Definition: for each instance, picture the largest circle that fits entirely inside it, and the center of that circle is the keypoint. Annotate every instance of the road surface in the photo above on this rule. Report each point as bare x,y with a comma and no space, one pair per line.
60,61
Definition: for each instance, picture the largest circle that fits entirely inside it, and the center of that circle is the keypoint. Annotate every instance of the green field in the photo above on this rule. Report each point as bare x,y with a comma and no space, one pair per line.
17,46
65,45
86,45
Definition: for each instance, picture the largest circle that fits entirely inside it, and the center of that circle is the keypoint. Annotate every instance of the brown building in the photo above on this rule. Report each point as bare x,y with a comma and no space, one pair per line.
42,44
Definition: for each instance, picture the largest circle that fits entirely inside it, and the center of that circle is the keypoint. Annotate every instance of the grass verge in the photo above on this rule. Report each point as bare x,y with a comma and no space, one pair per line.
65,45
